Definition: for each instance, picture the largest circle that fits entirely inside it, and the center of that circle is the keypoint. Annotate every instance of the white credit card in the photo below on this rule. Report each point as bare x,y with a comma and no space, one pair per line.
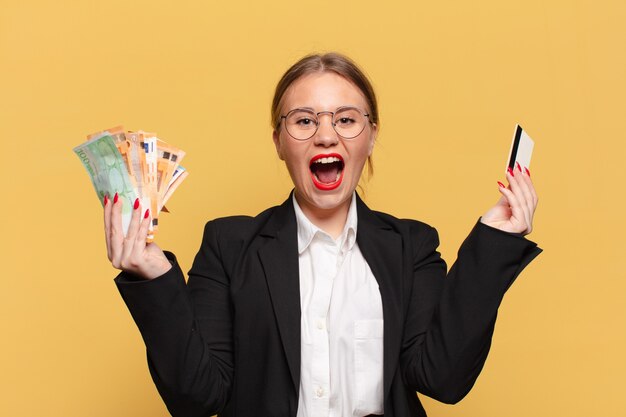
521,149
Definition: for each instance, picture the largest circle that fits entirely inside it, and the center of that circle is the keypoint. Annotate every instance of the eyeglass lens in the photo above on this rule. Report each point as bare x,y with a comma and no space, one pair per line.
347,122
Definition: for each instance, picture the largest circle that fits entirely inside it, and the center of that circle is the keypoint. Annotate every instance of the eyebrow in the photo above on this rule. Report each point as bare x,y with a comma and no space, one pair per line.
351,106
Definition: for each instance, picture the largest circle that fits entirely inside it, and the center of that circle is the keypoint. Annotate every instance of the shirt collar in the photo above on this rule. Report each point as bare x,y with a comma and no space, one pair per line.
307,230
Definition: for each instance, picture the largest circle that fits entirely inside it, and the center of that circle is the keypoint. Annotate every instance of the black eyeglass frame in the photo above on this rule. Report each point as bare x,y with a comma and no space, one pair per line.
332,122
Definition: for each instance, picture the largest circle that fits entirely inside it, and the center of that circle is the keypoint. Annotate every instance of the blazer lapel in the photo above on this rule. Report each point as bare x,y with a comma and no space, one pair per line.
279,258
382,249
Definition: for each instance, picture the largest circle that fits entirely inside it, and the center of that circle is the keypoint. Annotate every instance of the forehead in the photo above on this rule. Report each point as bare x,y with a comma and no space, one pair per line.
323,91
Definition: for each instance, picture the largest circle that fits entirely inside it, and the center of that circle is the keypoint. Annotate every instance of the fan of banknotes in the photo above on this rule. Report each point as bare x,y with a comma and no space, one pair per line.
133,165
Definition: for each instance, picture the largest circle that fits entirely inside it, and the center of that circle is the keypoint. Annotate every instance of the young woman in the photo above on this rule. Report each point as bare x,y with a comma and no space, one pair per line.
321,306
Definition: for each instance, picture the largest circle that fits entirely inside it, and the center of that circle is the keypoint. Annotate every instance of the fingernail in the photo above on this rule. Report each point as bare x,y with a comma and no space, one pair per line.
527,171
106,200
115,198
136,206
501,185
510,171
519,168
145,216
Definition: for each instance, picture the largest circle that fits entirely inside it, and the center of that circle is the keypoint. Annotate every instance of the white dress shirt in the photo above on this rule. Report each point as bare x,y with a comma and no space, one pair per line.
341,372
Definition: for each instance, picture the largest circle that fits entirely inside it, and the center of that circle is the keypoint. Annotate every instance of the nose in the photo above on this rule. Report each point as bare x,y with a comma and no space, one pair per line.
326,135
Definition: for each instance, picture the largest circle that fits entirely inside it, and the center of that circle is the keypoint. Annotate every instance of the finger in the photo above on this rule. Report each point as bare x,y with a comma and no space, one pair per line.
533,193
107,224
129,240
524,187
518,217
142,235
531,186
117,234
515,188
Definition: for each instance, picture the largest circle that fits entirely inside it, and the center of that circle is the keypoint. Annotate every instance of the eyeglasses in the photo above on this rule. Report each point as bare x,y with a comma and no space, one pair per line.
348,122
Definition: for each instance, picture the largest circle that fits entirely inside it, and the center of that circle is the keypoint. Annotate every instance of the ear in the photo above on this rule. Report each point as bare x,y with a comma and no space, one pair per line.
373,136
276,139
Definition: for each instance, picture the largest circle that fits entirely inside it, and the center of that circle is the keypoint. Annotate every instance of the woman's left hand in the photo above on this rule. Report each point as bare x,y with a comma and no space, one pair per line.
515,210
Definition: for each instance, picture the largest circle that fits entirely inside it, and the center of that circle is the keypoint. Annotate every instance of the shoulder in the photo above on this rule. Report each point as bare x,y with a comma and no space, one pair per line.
238,227
406,227
230,238
419,240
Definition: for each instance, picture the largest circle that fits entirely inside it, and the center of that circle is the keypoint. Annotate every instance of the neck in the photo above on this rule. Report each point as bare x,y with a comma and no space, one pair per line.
332,220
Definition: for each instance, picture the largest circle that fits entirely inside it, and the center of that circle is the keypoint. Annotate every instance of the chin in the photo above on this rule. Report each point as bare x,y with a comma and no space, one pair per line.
326,200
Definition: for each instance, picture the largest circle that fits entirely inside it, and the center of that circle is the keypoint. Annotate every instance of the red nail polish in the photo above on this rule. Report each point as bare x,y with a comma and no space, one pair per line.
106,200
145,216
501,185
136,206
527,171
510,171
519,168
115,198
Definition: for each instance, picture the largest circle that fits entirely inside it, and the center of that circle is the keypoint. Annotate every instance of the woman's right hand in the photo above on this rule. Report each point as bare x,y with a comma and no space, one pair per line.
131,253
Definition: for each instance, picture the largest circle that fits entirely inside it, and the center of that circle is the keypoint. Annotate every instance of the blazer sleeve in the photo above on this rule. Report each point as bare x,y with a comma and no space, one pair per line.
187,330
443,358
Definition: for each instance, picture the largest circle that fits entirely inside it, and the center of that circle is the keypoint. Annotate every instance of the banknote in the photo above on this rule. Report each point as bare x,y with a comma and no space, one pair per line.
149,142
179,176
169,158
135,159
133,165
131,147
108,173
178,172
124,147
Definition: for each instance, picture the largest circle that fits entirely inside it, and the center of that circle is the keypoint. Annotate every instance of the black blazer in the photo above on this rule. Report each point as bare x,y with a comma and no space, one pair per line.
228,341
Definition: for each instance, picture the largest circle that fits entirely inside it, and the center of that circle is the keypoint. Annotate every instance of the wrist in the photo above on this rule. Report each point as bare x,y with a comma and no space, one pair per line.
159,269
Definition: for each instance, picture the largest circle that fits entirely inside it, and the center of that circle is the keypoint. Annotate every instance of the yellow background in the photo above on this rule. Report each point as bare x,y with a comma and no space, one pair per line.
453,78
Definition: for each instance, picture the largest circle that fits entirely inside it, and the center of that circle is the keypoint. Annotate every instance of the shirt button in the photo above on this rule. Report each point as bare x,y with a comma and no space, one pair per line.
320,324
319,392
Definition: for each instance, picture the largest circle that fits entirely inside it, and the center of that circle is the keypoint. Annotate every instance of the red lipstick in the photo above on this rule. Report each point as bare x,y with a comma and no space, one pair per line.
331,158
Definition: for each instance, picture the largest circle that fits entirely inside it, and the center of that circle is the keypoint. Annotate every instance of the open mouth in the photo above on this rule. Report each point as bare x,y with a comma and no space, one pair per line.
327,171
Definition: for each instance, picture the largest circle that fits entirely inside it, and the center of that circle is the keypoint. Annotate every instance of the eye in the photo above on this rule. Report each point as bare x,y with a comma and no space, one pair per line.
347,117
345,121
304,121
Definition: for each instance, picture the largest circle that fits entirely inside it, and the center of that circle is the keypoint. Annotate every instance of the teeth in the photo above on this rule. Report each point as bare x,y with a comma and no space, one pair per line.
327,160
